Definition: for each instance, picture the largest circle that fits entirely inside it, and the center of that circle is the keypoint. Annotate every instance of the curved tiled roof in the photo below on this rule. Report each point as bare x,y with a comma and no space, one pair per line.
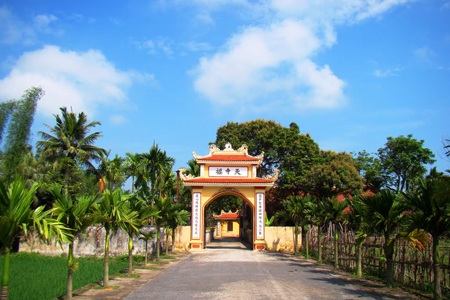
227,216
218,157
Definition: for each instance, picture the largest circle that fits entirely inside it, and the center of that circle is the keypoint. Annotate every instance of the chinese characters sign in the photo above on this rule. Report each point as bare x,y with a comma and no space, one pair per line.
196,216
228,171
260,216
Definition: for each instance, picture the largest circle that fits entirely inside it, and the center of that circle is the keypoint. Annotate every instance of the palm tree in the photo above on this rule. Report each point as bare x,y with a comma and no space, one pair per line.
336,216
318,216
111,212
152,167
164,207
112,171
194,168
77,215
428,210
17,216
132,167
355,218
146,236
295,211
177,216
143,213
383,214
71,141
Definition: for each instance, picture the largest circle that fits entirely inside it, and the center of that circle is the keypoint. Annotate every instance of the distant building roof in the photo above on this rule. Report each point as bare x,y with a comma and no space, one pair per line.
227,216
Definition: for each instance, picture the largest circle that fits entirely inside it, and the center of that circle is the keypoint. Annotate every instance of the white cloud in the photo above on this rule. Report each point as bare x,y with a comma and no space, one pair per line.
263,61
118,119
81,80
42,24
275,58
13,31
424,54
387,72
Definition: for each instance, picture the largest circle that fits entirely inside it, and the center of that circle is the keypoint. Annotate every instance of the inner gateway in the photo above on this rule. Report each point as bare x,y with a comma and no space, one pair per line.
229,173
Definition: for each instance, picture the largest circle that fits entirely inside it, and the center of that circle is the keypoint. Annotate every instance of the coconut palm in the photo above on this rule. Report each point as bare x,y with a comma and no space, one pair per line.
17,217
112,213
164,206
77,215
428,210
143,213
336,216
70,140
383,214
295,211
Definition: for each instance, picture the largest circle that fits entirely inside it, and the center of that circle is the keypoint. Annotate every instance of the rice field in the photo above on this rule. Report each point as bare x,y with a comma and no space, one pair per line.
39,277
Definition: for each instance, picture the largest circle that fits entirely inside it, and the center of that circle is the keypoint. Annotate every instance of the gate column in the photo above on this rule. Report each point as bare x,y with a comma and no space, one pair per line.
259,220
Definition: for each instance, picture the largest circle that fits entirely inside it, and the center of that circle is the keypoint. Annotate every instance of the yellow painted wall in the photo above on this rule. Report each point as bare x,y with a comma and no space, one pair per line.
224,229
183,237
281,238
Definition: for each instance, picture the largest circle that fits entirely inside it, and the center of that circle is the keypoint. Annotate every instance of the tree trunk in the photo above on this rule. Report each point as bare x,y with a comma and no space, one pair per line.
436,269
388,252
336,245
167,240
146,254
319,237
173,241
359,261
130,255
106,260
307,244
5,274
296,239
158,240
70,267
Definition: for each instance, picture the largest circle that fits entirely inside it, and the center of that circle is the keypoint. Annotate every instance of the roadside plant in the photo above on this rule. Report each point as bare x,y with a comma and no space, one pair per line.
76,215
17,217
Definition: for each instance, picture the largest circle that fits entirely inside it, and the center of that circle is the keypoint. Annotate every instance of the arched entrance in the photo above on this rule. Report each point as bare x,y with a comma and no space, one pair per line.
228,172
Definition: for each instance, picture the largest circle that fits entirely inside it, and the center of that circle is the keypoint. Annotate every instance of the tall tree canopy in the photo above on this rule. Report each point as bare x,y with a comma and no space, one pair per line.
403,161
17,117
285,149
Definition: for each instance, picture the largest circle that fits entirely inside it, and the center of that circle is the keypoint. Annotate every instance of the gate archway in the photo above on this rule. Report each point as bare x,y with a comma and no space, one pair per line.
228,172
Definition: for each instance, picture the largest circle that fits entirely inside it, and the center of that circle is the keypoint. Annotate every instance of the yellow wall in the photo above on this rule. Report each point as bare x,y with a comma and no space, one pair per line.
224,229
281,238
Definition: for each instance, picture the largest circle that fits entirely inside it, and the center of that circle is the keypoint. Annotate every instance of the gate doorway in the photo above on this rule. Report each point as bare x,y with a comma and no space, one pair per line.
228,172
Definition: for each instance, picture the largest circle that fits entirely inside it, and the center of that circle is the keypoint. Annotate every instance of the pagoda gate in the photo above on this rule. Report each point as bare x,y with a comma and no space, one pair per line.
228,172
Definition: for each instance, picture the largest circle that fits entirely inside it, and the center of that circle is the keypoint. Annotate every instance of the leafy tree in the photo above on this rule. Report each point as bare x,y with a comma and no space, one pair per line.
334,174
193,168
369,168
112,213
428,209
403,161
164,206
76,215
383,214
17,216
19,116
295,211
285,149
71,143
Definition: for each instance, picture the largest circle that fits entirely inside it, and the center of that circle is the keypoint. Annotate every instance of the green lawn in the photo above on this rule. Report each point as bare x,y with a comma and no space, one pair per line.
41,277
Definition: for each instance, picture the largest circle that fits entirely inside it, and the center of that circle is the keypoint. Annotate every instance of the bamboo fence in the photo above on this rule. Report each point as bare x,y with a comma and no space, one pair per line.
412,267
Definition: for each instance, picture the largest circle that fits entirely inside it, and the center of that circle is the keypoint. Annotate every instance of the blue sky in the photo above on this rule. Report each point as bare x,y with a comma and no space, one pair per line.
349,72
